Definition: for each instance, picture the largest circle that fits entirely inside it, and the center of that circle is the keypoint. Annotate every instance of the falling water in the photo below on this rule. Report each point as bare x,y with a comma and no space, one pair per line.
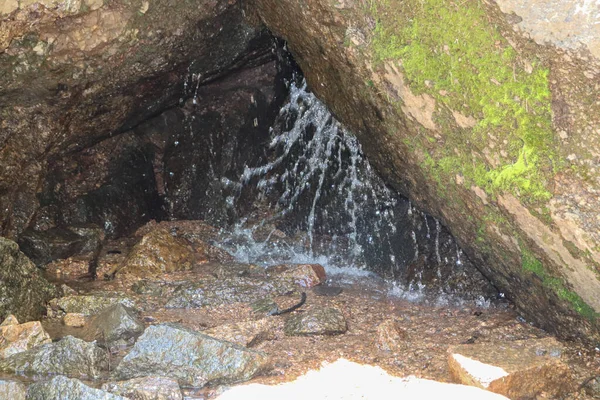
318,200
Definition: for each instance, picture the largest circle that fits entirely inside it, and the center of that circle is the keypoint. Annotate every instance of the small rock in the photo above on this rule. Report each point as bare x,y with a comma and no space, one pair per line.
10,320
116,322
63,388
75,320
90,304
305,275
69,356
195,359
519,369
21,337
318,321
158,252
12,390
391,336
248,333
146,388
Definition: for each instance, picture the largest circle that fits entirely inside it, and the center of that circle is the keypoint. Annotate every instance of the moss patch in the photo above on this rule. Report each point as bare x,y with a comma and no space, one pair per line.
454,54
530,263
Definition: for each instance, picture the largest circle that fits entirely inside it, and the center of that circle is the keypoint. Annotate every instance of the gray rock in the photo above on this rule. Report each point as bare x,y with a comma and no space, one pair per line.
69,356
116,322
63,388
12,390
318,321
226,291
23,291
146,388
90,304
193,358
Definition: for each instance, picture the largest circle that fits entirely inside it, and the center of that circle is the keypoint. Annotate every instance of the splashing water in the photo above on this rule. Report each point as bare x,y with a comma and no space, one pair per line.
320,184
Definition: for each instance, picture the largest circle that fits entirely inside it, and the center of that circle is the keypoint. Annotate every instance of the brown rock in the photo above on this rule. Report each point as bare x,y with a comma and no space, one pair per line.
519,369
306,275
16,338
390,335
76,320
10,320
158,252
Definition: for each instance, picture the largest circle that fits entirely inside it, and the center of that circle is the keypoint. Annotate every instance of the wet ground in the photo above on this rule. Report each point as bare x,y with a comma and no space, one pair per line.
425,330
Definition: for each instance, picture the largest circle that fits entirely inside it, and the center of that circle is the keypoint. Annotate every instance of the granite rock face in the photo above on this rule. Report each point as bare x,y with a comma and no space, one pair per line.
492,132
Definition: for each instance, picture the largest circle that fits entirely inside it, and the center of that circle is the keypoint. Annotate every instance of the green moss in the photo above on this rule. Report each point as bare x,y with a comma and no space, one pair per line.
455,55
530,263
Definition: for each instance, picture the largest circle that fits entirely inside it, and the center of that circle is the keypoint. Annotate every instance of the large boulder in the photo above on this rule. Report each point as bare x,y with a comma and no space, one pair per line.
193,358
484,113
23,291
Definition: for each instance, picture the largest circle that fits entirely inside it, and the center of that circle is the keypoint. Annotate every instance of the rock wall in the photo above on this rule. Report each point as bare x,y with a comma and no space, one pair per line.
77,72
486,117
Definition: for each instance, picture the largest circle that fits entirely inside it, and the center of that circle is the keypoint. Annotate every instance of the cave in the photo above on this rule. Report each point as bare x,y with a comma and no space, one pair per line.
269,143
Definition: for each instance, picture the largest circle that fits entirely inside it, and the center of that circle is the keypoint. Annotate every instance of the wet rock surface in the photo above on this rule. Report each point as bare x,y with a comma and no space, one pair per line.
63,388
519,369
146,388
69,356
193,358
319,321
23,290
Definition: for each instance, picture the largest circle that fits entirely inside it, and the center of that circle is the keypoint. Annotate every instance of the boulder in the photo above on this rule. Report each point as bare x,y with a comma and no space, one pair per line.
16,338
23,291
146,388
193,358
521,369
157,253
63,388
317,321
489,121
116,322
69,356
